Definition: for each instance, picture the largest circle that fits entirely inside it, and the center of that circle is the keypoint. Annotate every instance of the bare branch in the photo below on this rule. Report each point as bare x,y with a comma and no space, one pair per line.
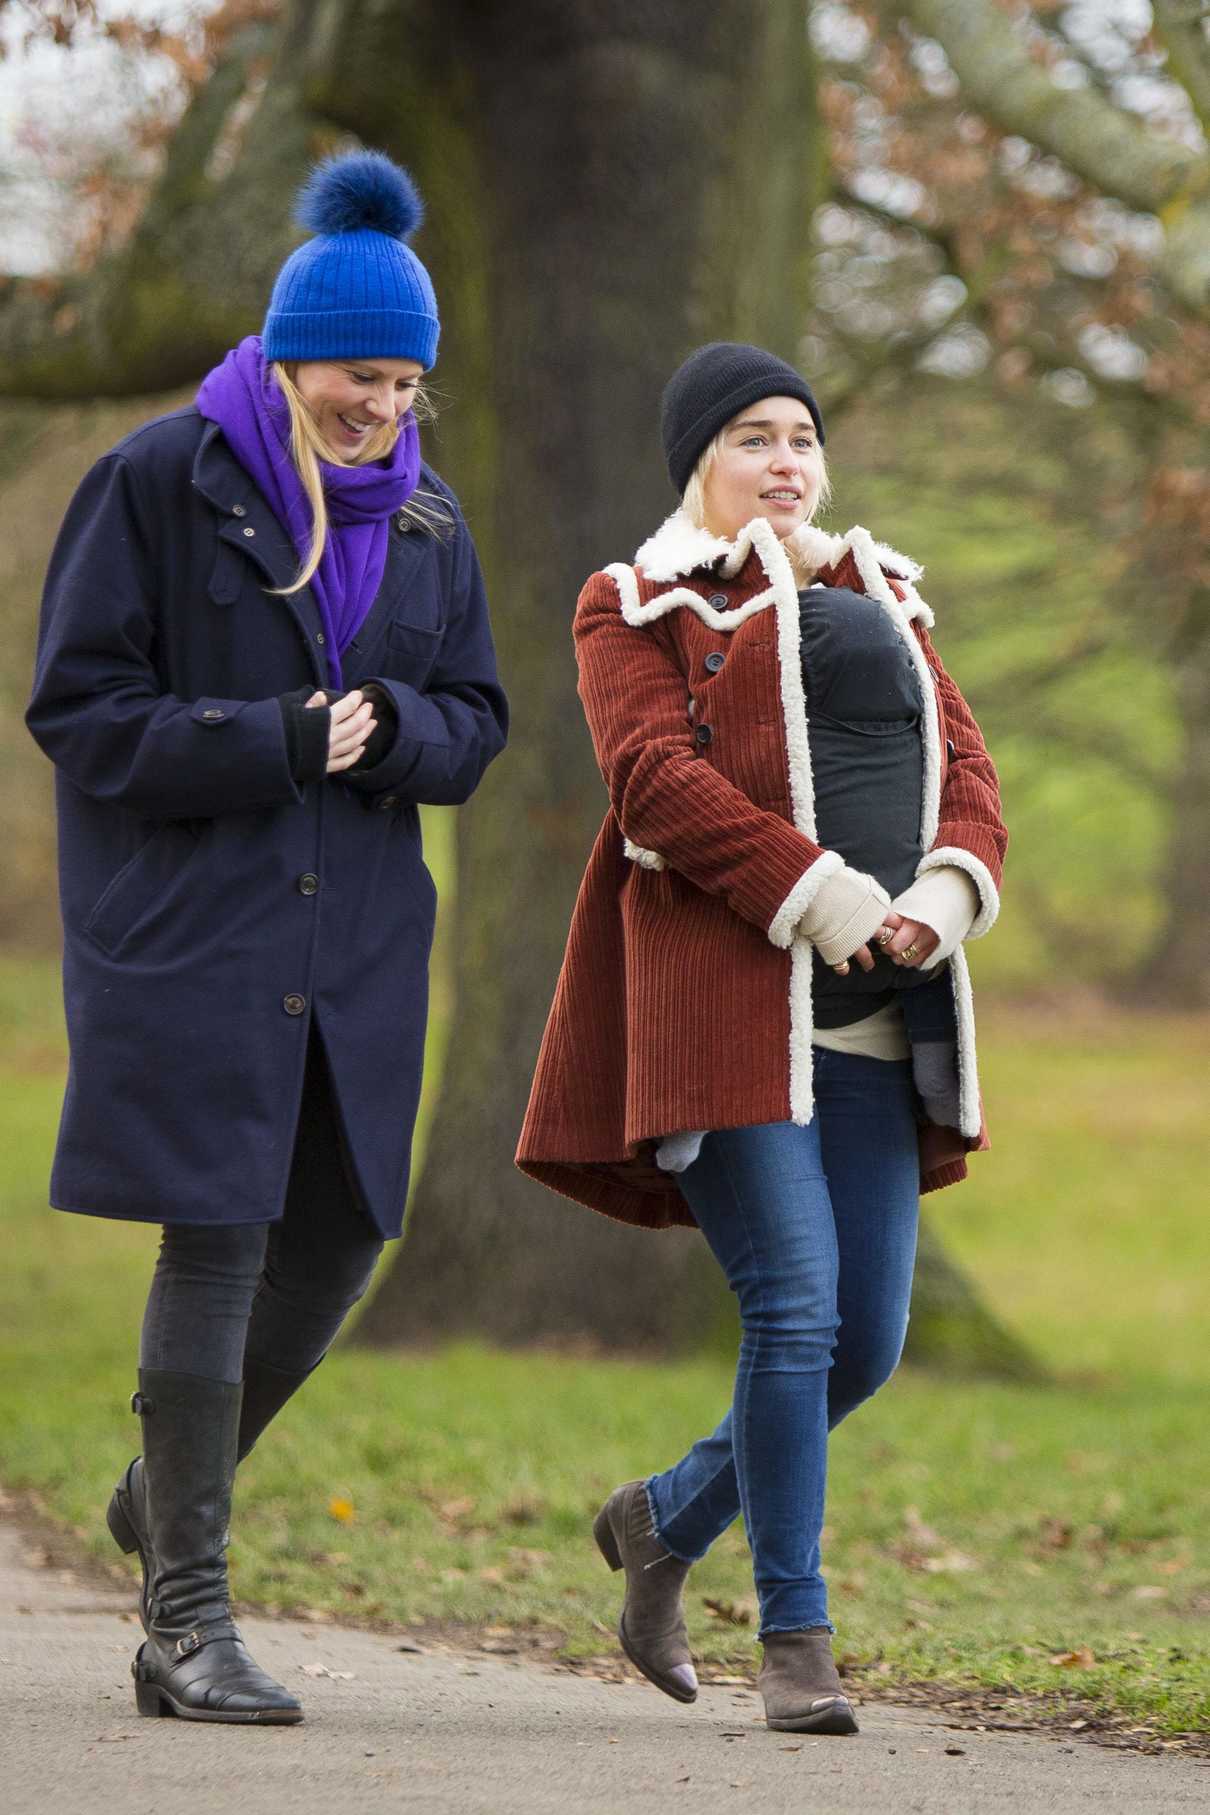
1095,140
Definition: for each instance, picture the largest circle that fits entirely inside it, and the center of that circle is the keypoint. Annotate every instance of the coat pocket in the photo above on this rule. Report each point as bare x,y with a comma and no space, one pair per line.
141,887
411,652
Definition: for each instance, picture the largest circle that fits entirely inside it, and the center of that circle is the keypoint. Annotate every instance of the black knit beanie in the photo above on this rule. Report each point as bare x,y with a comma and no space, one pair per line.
712,386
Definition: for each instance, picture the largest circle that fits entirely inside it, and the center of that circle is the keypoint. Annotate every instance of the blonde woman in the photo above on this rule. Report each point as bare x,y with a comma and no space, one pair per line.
264,644
763,1022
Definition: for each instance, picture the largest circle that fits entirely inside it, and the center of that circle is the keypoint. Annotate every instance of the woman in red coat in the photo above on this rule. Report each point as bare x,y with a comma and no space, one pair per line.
763,1024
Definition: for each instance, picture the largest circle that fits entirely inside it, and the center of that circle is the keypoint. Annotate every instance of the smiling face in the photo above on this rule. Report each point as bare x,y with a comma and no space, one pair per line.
354,401
767,464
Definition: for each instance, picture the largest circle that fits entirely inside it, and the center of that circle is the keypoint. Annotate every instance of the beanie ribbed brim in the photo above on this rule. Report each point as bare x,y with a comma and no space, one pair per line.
351,334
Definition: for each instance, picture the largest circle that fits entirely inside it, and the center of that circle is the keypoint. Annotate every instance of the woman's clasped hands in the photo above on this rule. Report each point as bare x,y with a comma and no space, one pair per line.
351,726
907,943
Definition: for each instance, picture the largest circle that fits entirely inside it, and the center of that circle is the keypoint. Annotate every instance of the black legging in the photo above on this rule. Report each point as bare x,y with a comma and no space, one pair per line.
274,1293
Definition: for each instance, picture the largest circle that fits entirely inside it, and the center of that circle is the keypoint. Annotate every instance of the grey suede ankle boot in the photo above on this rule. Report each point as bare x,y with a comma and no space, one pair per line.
800,1684
652,1624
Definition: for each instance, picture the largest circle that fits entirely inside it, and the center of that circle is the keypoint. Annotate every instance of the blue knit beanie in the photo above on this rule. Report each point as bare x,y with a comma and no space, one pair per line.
355,291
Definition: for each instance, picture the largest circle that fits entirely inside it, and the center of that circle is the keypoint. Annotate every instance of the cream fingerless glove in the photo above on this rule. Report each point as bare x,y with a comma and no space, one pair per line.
846,911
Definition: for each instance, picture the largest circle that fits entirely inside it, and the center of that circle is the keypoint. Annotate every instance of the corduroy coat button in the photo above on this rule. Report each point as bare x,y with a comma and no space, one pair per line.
294,1005
320,638
719,600
213,714
248,530
308,883
238,510
703,734
714,661
387,802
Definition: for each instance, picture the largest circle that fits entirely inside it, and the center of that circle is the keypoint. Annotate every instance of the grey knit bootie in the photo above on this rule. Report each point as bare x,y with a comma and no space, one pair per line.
800,1684
652,1623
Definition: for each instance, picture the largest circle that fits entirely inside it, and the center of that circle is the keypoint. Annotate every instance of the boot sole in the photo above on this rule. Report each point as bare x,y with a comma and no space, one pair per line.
152,1700
607,1544
836,1718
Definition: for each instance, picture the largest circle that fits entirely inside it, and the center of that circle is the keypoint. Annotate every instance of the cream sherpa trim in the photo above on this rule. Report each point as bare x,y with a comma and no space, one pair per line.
796,903
969,1113
646,860
980,875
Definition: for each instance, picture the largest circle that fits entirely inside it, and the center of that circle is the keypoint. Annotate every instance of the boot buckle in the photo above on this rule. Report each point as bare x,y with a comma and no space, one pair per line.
140,1403
192,1642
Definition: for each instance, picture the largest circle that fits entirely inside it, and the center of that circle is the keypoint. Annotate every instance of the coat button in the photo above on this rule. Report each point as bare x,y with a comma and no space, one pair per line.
387,802
320,638
294,1005
719,600
248,530
703,734
714,661
308,883
238,510
213,714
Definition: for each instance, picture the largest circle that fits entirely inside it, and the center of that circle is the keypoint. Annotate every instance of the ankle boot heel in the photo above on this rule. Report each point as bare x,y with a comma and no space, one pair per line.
607,1544
120,1529
148,1700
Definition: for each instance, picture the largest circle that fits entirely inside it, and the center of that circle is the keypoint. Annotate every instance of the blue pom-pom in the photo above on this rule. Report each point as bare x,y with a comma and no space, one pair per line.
359,189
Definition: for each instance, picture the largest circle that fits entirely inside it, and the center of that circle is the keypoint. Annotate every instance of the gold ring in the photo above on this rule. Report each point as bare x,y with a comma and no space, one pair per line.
910,951
885,935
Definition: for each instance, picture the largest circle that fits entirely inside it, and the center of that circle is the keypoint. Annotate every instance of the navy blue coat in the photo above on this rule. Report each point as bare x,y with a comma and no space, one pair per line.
212,907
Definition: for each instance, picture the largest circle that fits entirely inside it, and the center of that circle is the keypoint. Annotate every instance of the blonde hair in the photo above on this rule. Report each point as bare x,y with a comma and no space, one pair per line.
424,510
693,498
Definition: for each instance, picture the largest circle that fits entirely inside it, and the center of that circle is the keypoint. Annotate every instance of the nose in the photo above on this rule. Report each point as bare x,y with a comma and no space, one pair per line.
381,404
783,458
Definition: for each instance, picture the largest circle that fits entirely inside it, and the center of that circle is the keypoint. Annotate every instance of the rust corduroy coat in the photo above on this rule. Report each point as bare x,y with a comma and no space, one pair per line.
684,1000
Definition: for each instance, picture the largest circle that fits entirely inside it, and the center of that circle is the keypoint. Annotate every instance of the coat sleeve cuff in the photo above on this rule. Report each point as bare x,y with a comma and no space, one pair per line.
989,895
784,923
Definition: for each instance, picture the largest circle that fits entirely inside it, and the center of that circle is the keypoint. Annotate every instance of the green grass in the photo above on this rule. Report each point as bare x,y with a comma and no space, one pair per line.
976,1533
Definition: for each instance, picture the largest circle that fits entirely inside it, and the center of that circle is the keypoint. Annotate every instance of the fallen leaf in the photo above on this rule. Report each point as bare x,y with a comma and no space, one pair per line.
336,1676
1080,1659
737,1613
456,1509
1076,1726
342,1509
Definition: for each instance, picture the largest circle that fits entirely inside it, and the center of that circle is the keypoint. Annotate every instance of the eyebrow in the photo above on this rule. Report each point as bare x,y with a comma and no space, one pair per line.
766,422
367,365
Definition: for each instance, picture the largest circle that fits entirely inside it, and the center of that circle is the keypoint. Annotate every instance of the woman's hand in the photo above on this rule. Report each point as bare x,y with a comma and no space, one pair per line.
351,724
907,943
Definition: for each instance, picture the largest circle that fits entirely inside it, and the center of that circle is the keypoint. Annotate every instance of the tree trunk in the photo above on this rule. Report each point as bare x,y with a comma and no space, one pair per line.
1176,975
630,217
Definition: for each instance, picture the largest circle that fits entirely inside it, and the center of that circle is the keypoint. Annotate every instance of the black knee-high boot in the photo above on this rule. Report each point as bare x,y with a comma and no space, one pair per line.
266,1390
193,1662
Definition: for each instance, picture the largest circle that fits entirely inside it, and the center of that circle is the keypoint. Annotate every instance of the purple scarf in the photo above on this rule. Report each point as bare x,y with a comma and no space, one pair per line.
242,396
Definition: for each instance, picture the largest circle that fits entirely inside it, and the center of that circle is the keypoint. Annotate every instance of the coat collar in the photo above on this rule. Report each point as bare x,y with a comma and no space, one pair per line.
680,548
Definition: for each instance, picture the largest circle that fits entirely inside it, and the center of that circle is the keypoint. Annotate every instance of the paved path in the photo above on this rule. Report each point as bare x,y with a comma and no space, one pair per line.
467,1734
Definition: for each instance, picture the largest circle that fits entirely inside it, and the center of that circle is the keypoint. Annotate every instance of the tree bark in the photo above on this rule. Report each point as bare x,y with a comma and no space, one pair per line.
1093,138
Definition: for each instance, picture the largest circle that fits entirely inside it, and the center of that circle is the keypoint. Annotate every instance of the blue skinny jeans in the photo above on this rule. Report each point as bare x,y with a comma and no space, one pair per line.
815,1229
